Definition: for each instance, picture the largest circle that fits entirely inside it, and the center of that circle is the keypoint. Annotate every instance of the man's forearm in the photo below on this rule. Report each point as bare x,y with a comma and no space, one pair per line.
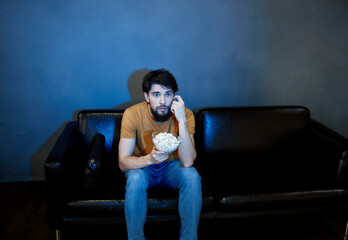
187,151
132,162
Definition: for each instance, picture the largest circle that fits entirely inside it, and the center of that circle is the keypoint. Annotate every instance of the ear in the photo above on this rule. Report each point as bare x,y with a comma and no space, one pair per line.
146,97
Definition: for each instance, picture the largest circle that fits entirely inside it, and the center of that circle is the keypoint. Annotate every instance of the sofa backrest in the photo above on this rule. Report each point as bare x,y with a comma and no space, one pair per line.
256,149
250,129
106,122
110,181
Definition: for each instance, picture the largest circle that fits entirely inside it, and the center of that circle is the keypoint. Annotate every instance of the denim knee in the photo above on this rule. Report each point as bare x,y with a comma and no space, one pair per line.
137,179
190,176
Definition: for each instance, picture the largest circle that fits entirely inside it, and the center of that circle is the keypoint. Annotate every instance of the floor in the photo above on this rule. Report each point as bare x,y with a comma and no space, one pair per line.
23,216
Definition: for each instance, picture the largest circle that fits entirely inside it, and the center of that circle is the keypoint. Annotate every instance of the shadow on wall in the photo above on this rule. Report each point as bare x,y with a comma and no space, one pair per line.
39,157
134,88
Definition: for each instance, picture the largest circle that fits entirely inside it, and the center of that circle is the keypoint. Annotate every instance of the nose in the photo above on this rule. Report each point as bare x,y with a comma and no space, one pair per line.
162,100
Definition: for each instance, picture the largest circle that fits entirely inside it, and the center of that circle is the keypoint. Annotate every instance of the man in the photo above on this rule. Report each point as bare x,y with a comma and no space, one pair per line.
145,166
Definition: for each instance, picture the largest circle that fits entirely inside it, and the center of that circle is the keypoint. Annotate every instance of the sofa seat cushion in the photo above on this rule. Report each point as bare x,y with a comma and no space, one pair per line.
115,208
95,208
288,200
271,172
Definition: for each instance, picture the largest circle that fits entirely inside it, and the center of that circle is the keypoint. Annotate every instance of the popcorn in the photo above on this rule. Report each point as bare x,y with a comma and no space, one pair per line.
166,142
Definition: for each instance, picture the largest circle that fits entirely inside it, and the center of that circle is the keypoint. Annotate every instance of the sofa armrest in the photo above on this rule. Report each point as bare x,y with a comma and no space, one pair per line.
338,145
68,142
329,136
92,167
342,173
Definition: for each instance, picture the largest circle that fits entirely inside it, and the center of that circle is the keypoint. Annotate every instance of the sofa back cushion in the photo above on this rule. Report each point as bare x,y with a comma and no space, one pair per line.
110,184
249,129
106,122
258,149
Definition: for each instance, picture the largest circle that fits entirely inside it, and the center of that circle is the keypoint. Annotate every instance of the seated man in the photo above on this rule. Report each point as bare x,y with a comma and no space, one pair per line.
145,166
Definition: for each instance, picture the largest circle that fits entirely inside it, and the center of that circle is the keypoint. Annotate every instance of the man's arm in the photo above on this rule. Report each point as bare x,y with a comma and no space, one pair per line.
127,161
187,150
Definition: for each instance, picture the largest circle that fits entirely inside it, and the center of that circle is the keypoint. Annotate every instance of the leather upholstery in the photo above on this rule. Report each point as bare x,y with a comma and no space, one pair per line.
249,129
269,159
253,161
92,168
342,173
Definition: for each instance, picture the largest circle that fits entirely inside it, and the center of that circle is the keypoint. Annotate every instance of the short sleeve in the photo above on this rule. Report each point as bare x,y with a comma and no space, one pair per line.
128,125
190,121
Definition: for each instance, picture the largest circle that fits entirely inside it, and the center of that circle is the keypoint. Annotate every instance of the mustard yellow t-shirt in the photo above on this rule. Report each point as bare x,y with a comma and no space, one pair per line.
138,123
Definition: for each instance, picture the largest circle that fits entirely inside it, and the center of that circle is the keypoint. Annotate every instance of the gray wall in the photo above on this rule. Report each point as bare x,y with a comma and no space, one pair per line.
60,56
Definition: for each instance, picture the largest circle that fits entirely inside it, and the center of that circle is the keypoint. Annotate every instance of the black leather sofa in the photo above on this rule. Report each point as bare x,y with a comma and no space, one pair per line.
254,161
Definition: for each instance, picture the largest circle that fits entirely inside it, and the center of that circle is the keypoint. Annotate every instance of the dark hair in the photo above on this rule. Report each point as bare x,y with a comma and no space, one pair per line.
162,77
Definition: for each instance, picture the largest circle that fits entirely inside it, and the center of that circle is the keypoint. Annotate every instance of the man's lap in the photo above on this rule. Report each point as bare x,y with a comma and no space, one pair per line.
167,174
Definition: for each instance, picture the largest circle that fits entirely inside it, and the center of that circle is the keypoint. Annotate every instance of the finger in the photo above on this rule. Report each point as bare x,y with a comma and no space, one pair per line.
179,98
157,152
162,153
176,105
173,106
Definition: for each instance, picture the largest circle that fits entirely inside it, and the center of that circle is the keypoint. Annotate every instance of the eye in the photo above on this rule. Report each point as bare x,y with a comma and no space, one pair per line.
168,94
156,94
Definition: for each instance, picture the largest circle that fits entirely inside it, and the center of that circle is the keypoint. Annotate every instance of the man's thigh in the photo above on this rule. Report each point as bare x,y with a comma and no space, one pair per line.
174,175
139,176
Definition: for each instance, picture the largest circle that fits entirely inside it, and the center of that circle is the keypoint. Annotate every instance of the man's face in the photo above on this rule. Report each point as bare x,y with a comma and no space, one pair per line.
160,100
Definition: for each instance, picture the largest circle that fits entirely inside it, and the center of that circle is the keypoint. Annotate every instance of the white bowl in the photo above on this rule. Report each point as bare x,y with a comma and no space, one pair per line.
166,142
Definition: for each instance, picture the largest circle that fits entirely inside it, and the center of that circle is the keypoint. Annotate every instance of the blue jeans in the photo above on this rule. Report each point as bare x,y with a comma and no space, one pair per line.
168,174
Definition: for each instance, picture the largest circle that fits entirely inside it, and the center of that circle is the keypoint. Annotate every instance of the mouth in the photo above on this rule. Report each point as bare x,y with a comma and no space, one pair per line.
162,109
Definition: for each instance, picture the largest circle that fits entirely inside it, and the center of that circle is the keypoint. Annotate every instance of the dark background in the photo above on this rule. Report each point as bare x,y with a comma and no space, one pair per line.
57,57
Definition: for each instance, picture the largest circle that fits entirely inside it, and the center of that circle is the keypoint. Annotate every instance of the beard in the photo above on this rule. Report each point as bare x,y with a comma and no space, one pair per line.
161,117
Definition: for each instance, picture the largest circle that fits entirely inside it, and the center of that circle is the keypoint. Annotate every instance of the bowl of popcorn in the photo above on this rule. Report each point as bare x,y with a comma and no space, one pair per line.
164,141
